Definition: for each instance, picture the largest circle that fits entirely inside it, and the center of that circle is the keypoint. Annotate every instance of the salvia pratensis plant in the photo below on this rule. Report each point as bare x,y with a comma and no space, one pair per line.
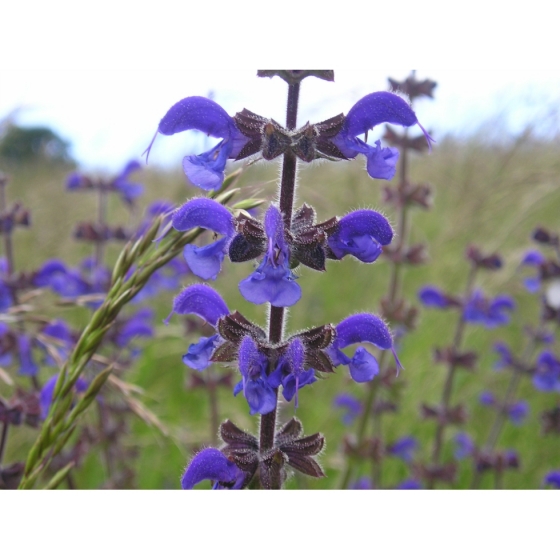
268,359
380,394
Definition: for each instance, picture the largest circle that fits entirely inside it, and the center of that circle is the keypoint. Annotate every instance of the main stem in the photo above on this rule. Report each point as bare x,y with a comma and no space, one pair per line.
276,317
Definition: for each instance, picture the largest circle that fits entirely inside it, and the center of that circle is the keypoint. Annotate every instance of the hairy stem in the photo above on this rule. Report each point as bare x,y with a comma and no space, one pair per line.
287,192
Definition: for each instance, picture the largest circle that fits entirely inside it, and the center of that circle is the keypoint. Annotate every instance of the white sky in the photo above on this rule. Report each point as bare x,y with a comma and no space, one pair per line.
103,74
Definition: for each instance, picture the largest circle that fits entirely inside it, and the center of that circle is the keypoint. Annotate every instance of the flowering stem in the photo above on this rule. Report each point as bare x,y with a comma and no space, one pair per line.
276,316
3,439
8,246
448,387
393,291
101,220
502,412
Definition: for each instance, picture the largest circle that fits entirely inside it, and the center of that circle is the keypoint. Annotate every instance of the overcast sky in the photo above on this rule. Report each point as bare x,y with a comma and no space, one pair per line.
103,75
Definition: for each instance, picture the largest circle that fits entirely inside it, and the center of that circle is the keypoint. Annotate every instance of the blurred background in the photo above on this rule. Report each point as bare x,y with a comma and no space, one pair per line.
85,92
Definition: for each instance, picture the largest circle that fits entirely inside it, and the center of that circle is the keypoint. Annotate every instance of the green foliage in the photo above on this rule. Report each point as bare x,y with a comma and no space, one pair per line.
492,196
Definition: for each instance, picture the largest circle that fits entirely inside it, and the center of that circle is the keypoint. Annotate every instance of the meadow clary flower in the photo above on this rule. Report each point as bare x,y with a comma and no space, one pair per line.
290,372
351,405
129,191
373,109
409,484
518,411
404,448
490,313
487,398
363,327
432,296
199,113
552,478
464,446
254,382
205,262
547,372
208,304
212,464
273,281
362,234
534,259
26,361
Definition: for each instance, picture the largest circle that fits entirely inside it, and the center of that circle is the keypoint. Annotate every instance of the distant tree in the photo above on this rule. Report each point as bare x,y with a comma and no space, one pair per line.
33,143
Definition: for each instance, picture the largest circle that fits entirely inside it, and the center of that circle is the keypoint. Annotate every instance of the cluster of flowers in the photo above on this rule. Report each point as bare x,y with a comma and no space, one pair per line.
281,241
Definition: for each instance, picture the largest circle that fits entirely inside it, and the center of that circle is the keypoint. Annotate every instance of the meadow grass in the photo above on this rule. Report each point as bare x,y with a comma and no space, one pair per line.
485,193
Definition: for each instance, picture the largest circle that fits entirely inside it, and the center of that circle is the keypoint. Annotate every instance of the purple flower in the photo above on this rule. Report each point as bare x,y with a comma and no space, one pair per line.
404,448
464,446
254,383
534,259
371,110
6,299
518,411
552,478
139,324
46,395
547,372
59,330
490,313
27,364
5,350
198,354
431,296
212,464
363,327
506,357
363,483
65,282
198,113
487,398
350,404
361,234
273,281
205,262
128,191
409,484
290,371
200,300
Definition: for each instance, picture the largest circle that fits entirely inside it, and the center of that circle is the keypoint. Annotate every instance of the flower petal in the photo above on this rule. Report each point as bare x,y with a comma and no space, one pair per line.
363,327
210,464
273,284
200,300
361,234
363,366
197,113
205,213
198,354
206,262
207,170
376,108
